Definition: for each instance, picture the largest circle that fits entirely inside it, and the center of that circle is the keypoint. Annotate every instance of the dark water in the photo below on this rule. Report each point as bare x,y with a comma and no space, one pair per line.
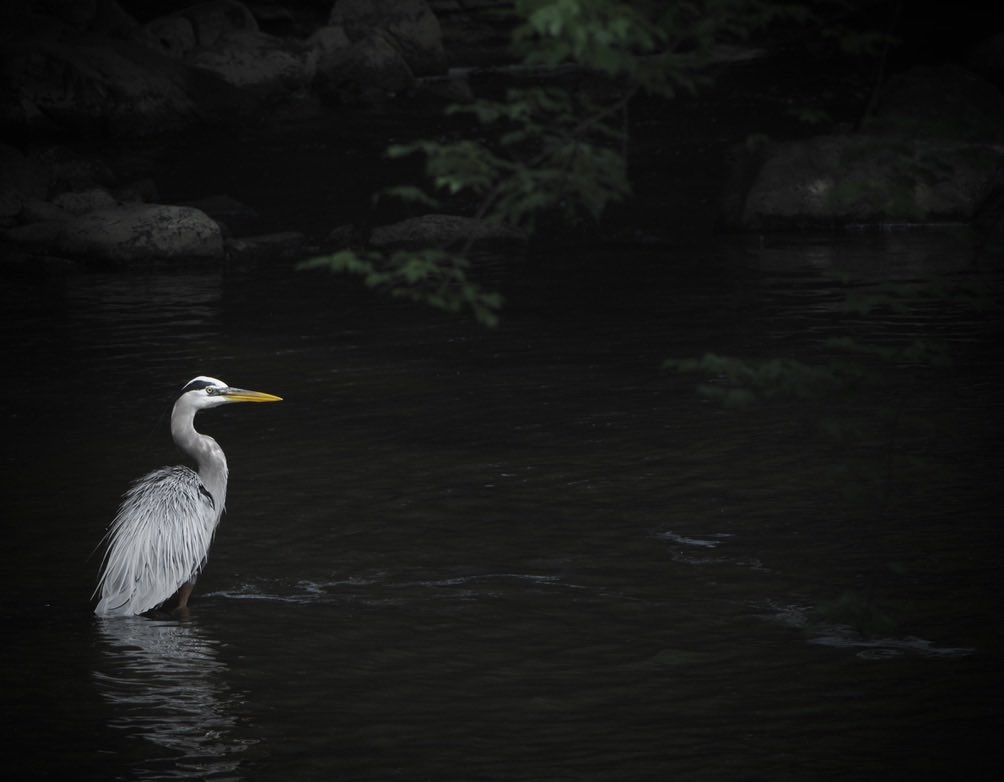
527,554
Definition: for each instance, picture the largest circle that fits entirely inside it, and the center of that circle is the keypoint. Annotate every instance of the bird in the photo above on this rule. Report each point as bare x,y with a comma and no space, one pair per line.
159,540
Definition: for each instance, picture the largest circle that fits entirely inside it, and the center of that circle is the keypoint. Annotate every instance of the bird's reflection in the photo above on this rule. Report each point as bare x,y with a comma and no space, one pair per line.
163,681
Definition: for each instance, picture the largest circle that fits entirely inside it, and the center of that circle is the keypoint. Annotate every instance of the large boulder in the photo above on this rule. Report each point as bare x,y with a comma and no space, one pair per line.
200,26
409,26
79,202
324,44
367,68
222,36
217,18
174,35
931,151
92,85
142,232
253,61
831,181
22,179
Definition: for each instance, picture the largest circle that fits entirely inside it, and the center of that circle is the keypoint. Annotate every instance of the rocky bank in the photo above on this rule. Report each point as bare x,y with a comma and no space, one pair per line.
83,81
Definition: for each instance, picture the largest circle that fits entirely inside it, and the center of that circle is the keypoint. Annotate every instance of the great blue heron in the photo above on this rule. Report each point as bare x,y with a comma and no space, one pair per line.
159,540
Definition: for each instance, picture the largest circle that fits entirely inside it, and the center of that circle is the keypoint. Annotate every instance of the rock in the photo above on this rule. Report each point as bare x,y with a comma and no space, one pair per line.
94,86
324,43
409,26
41,236
35,210
77,15
253,60
173,35
448,231
272,17
113,20
340,237
368,68
476,33
72,170
222,37
21,179
266,247
82,201
989,220
217,18
104,16
142,232
838,180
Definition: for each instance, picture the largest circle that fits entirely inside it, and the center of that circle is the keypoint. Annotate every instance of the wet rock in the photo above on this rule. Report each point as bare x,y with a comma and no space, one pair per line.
253,60
323,44
272,17
839,180
142,232
103,16
989,221
283,245
476,32
213,20
223,37
72,170
80,202
448,231
410,27
42,236
21,179
35,210
94,86
341,237
367,68
173,35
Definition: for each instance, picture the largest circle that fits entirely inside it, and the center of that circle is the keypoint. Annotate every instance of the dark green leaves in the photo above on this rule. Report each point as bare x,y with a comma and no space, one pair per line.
431,276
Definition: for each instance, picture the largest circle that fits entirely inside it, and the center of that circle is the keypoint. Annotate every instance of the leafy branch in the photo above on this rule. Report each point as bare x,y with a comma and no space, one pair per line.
556,153
855,364
430,275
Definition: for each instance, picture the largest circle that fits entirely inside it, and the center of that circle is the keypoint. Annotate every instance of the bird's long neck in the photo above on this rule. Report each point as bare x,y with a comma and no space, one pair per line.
203,450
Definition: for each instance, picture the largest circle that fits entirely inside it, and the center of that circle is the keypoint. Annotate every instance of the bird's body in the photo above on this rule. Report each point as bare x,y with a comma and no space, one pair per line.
160,538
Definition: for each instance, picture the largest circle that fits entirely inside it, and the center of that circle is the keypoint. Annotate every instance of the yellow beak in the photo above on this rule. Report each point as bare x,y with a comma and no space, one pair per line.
243,395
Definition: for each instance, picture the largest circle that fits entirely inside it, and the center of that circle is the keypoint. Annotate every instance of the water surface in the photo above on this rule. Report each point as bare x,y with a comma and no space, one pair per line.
521,554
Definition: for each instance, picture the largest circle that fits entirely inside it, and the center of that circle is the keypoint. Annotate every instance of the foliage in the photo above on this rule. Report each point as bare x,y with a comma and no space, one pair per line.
430,275
553,152
853,363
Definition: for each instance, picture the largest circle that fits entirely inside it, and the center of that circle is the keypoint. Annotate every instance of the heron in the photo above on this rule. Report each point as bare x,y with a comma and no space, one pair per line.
159,540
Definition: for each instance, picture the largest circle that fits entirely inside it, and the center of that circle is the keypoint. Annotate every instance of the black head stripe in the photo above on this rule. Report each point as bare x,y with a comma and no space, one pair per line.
195,385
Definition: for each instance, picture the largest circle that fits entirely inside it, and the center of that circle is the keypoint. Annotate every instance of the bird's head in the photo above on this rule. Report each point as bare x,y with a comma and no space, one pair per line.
203,392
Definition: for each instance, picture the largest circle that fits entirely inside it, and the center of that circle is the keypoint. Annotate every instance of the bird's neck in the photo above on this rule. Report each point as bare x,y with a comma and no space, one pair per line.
204,451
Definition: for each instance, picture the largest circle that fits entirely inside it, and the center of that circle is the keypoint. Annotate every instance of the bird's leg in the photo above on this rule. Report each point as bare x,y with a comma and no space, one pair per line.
184,592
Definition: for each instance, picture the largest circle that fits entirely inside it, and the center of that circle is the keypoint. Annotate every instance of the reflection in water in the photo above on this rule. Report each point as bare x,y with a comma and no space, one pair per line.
163,681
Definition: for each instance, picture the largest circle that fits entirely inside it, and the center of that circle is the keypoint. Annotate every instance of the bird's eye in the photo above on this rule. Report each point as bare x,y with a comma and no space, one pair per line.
211,390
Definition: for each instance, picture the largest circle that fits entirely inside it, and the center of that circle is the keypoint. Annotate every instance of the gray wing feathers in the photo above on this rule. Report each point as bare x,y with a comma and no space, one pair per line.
159,540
